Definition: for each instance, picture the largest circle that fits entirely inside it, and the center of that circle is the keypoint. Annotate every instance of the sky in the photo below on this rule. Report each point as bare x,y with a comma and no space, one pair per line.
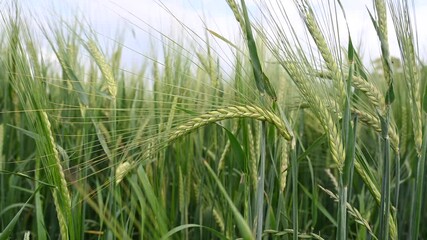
140,21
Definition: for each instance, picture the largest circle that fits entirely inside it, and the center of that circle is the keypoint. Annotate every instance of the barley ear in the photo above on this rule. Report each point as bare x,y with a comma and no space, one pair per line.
55,173
253,160
104,67
122,170
221,162
237,14
247,111
218,219
308,16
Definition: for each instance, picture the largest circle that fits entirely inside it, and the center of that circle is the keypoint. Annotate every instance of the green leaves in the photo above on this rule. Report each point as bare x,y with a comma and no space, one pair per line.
6,233
262,81
240,221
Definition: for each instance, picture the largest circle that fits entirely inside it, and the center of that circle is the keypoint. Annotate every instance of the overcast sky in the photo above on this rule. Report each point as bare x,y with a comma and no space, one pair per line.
140,19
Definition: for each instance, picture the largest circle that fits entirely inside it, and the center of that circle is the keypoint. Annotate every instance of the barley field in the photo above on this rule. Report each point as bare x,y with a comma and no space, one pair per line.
291,135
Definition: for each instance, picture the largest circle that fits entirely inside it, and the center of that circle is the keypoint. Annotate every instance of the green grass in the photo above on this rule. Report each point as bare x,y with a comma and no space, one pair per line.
292,142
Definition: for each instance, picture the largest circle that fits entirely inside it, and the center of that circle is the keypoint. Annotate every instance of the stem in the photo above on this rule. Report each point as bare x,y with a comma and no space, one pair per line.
294,169
260,187
419,183
342,210
385,187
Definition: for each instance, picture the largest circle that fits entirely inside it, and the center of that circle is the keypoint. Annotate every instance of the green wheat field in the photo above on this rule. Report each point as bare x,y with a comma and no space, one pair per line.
297,138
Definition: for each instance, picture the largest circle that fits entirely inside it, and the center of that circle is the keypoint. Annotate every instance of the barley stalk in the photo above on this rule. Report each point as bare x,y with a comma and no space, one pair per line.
247,111
181,198
405,37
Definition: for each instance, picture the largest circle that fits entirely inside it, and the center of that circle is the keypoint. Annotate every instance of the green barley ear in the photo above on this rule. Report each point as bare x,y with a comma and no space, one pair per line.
237,14
221,162
104,67
55,172
253,112
122,170
316,33
218,219
406,38
382,32
380,26
253,157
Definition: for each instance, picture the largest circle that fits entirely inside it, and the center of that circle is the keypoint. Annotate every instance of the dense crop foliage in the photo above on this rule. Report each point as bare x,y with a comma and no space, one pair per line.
298,140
